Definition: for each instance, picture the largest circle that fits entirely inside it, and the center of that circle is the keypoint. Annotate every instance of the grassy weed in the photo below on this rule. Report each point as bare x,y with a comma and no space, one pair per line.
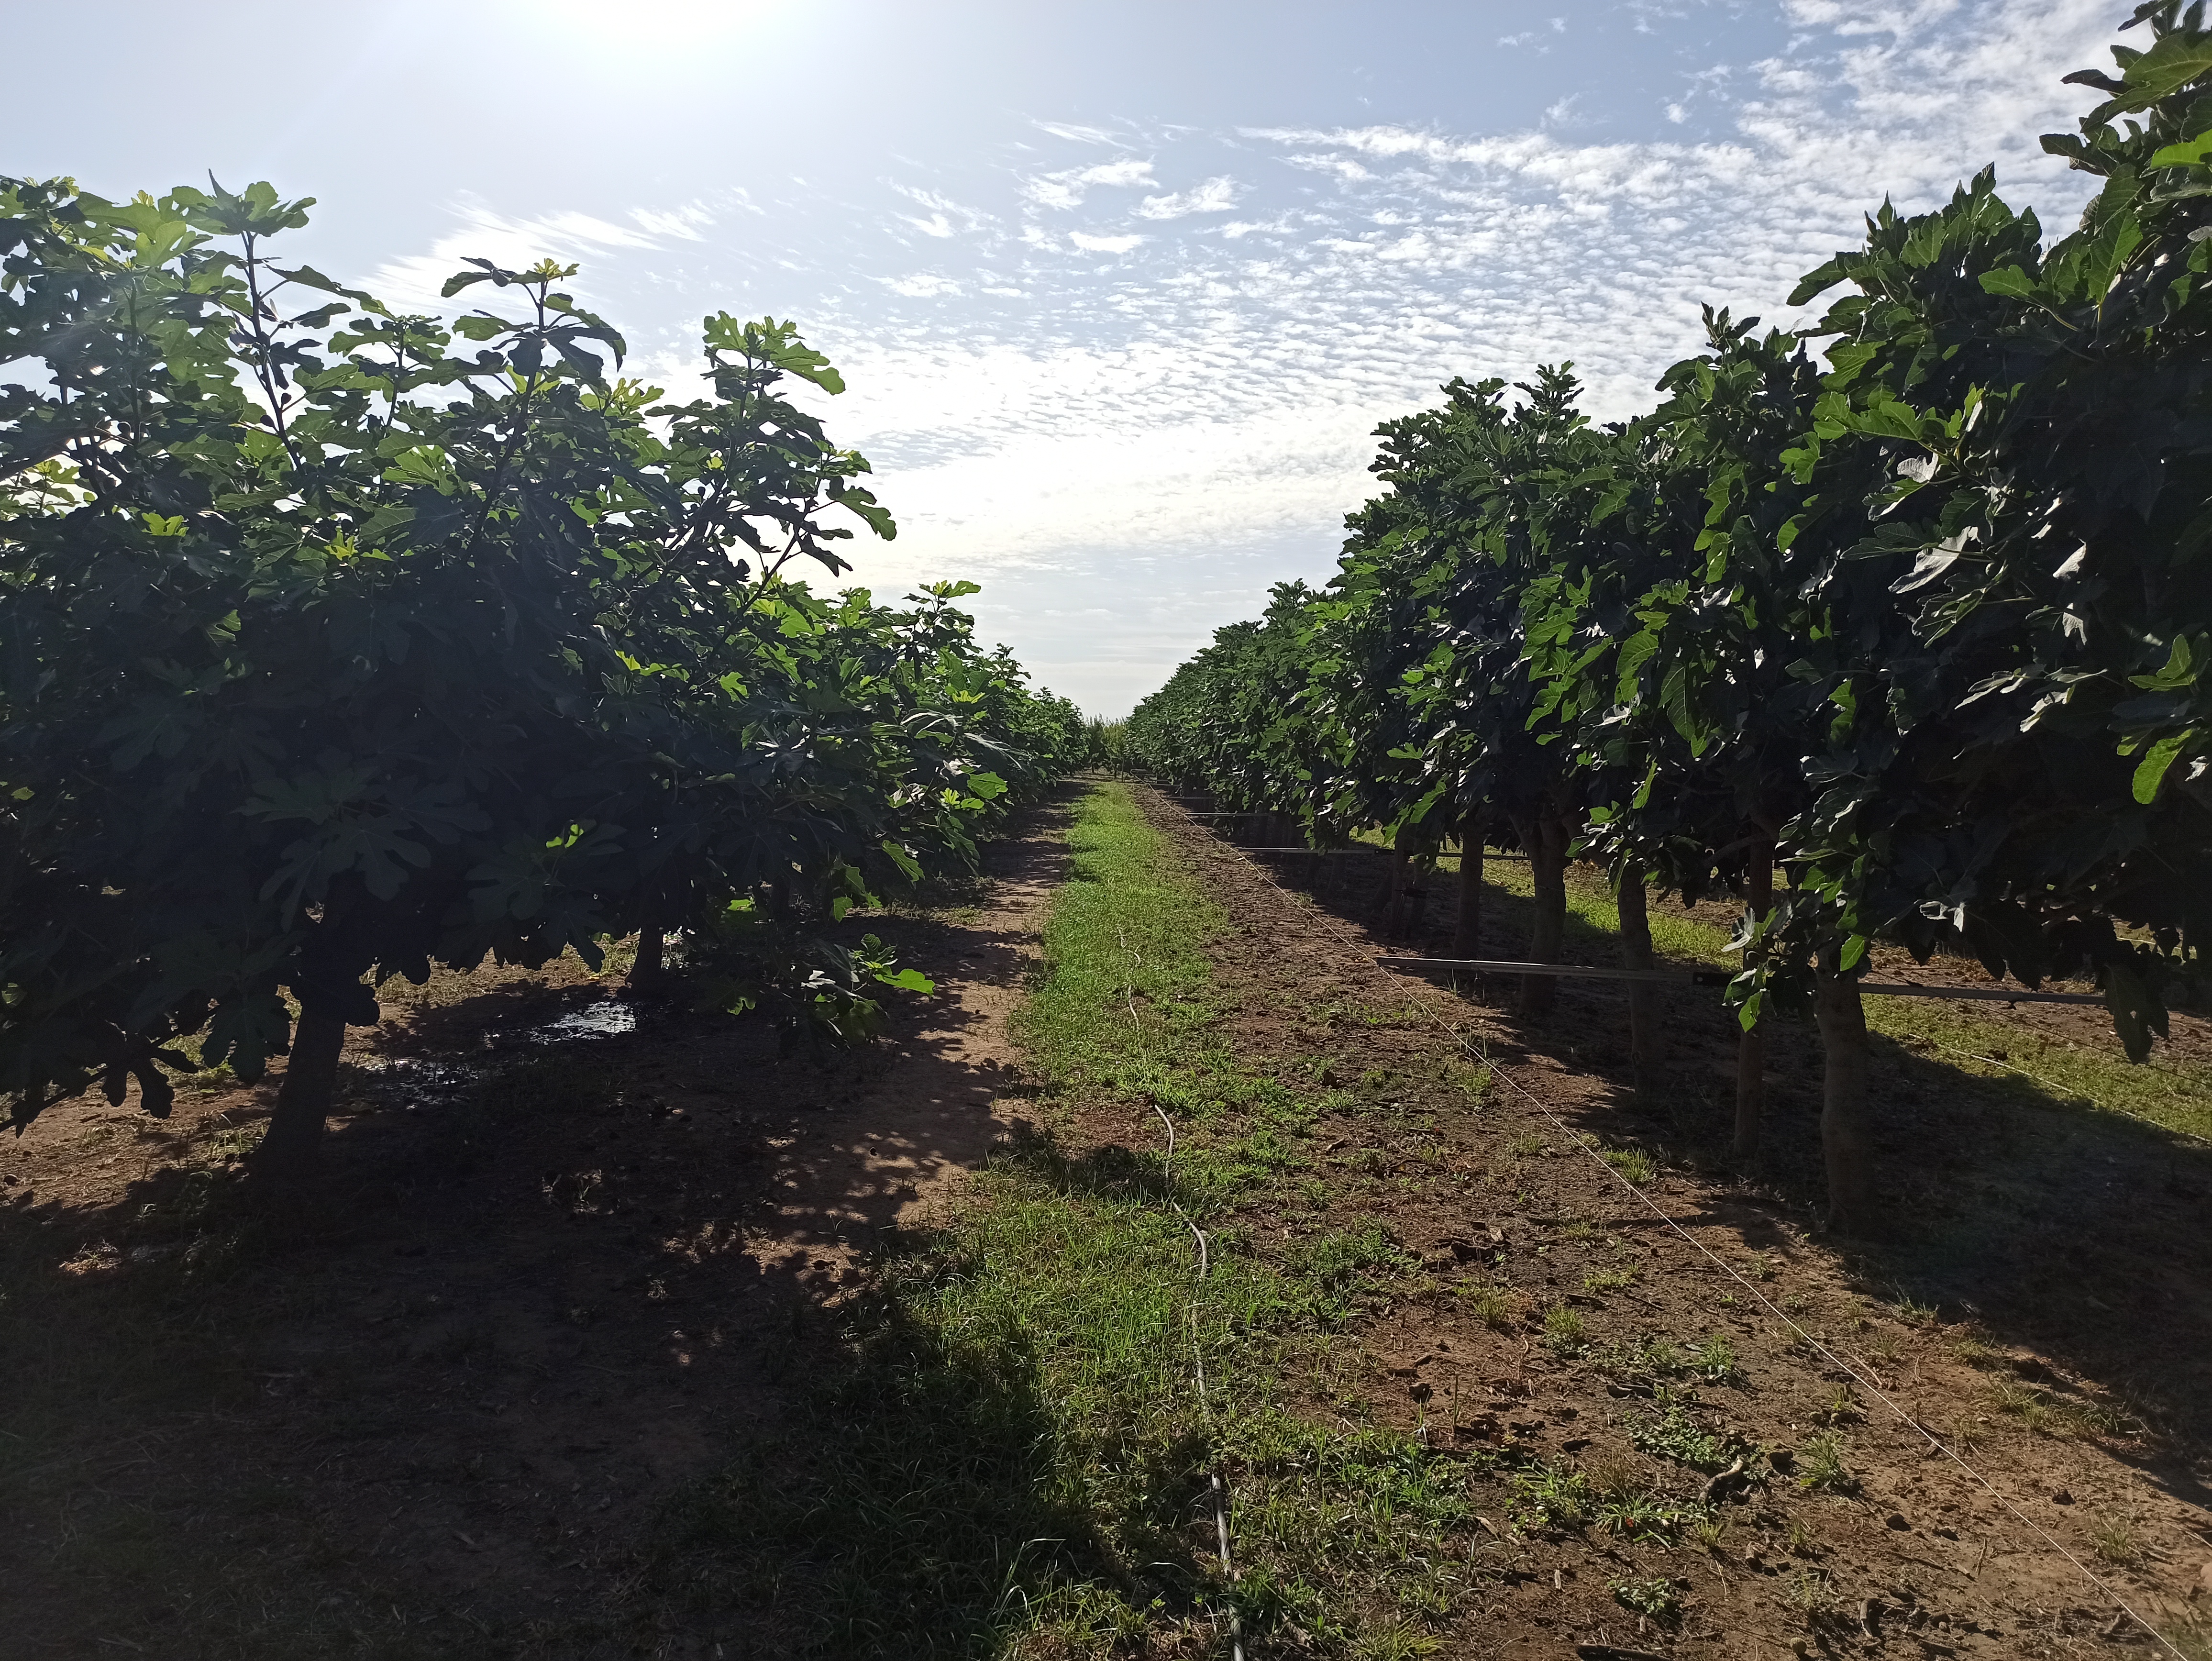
1714,1360
1490,1303
1633,1163
1649,1595
2115,1541
1551,1494
1821,1467
1674,1435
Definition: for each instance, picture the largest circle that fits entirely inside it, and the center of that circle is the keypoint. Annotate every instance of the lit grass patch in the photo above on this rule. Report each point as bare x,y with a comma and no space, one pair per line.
2115,1541
1331,1267
2051,1071
1714,1359
1633,1163
1490,1303
1127,988
1648,1595
2040,1068
1675,1435
1551,1494
1821,1467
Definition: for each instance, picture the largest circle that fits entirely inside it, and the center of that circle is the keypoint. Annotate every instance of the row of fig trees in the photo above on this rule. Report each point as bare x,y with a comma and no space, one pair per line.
337,641
1913,606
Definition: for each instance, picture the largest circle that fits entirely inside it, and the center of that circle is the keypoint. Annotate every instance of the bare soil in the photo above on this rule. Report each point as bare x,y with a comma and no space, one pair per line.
2042,1305
560,1272
569,1254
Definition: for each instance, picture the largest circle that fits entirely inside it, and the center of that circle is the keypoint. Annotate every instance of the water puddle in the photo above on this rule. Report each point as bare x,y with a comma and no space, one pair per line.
411,1082
609,1018
406,1082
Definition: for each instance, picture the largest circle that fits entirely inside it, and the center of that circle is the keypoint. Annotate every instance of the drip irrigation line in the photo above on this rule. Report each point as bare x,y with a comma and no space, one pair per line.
1575,971
1863,1380
1217,1490
1358,848
1566,971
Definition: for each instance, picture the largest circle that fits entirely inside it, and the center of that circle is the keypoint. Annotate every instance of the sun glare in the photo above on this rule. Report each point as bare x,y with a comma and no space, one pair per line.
623,27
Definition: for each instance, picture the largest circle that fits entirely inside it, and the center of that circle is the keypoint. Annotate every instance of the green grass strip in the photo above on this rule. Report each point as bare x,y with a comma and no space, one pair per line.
1126,979
1012,1462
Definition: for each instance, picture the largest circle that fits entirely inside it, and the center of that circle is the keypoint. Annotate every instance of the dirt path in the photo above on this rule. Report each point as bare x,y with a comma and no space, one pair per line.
560,1269
1556,1317
569,1275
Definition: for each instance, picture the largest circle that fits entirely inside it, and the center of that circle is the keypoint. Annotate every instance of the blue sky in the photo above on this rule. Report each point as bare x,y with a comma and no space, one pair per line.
1120,291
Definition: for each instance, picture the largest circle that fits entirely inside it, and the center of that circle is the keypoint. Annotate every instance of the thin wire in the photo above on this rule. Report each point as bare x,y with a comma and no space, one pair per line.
1217,1491
1810,1341
2057,1088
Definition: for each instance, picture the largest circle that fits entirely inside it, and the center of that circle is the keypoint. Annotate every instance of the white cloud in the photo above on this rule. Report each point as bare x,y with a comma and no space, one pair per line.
1046,191
947,216
1343,167
683,224
1066,189
1258,364
1214,196
1079,135
1129,172
1219,395
1091,244
920,285
414,281
1857,17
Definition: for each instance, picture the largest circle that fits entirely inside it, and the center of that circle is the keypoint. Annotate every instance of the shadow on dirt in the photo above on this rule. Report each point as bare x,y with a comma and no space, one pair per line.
2029,1217
567,1357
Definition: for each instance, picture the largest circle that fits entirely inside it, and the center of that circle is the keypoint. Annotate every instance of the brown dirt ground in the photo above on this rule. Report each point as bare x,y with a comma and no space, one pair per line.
555,1273
2040,1256
556,1279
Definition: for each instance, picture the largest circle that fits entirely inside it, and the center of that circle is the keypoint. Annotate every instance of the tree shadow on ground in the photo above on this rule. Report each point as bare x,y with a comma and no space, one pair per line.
2029,1218
907,1507
568,1357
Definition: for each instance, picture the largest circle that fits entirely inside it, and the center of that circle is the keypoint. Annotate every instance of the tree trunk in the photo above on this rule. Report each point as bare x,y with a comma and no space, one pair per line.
1751,1044
1466,927
1845,1143
1646,1045
1393,892
1548,869
652,944
1419,870
293,1147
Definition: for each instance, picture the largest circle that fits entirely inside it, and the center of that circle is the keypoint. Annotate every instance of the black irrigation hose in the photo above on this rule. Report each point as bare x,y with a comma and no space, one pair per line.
1574,971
